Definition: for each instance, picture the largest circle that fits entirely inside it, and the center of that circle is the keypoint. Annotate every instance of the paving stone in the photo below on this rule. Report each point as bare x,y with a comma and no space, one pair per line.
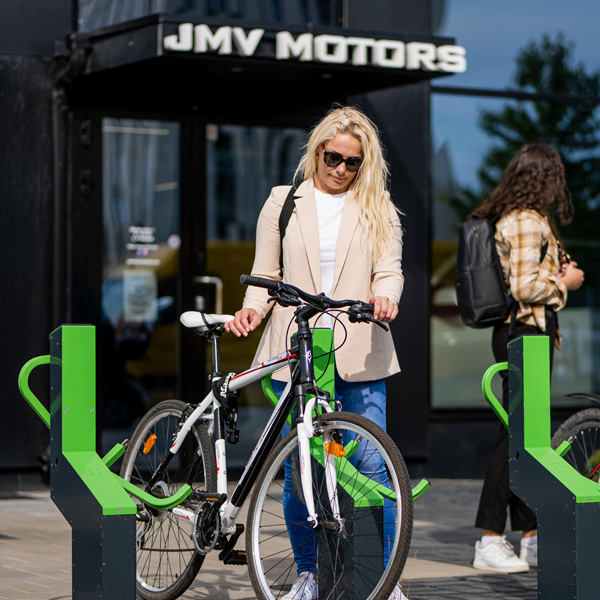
35,553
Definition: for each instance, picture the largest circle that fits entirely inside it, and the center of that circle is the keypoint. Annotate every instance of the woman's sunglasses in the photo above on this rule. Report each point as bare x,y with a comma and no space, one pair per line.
335,159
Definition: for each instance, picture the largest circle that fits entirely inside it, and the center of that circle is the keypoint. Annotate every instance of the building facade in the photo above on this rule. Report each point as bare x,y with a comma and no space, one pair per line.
138,144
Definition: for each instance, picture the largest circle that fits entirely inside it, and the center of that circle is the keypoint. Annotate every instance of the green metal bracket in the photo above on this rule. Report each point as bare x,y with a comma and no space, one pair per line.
567,504
26,392
87,465
97,503
162,503
486,388
536,419
350,479
488,394
420,488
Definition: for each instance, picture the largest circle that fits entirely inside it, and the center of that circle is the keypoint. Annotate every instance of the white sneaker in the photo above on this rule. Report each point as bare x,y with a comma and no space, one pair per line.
499,556
304,588
529,553
397,594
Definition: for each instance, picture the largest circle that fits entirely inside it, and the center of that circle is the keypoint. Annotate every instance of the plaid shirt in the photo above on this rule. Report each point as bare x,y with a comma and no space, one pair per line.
520,237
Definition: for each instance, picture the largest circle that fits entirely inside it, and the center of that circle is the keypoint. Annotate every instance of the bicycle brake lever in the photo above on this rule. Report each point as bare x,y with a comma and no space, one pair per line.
285,300
354,317
370,319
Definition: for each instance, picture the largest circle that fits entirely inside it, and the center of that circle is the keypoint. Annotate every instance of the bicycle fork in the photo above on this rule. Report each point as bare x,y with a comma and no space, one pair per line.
306,431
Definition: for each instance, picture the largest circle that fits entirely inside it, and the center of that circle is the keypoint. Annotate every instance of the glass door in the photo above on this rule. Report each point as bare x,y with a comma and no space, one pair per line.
141,266
243,163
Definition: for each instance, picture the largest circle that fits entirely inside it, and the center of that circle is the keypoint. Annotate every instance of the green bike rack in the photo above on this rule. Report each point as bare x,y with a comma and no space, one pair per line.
567,504
95,501
363,491
367,497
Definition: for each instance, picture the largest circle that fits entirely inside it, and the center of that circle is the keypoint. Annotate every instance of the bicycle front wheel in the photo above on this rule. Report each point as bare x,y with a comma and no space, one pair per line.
582,430
166,559
359,556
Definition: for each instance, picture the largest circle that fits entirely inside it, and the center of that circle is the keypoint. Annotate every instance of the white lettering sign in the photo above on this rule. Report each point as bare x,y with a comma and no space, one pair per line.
286,47
327,48
246,44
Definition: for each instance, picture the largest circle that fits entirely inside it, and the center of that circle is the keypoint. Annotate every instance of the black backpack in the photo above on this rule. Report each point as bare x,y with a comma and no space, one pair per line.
481,292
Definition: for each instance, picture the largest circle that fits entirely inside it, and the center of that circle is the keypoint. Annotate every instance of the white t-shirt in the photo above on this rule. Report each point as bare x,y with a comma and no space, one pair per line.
329,217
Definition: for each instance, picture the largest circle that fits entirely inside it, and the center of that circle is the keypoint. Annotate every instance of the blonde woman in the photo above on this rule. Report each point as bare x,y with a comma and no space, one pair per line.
343,239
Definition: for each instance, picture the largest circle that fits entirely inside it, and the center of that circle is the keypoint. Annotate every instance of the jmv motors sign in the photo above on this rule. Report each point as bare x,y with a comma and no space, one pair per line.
325,48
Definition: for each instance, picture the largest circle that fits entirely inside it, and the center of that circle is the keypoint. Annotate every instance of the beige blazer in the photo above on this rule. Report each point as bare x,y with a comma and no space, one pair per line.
368,352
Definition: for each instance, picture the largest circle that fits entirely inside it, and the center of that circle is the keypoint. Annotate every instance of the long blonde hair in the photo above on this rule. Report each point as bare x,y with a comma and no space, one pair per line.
370,183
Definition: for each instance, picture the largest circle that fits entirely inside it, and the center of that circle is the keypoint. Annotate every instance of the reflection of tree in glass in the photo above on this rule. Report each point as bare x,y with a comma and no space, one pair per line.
566,119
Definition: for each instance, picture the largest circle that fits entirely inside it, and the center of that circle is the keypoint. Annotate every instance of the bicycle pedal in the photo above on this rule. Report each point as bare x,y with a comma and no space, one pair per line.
236,557
218,499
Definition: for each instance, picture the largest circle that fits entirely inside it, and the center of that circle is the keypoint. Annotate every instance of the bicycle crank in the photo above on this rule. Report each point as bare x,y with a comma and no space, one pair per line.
208,522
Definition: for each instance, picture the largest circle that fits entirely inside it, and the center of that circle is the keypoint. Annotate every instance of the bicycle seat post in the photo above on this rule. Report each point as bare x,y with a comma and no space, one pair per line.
216,355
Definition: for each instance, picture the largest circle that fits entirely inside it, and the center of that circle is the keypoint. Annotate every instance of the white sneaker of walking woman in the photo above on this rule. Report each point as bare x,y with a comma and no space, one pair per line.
495,553
529,550
306,588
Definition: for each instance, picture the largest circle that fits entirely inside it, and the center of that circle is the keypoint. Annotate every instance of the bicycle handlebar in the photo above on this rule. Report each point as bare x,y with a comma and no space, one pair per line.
288,294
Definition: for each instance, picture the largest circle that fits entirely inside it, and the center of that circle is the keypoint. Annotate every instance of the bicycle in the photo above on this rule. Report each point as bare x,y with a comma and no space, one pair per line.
360,527
582,431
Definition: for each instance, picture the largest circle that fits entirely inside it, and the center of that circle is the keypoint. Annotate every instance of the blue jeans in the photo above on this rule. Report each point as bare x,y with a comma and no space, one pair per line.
365,398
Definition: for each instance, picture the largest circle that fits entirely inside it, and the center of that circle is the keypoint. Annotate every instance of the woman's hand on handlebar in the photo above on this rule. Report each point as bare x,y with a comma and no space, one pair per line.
384,309
244,321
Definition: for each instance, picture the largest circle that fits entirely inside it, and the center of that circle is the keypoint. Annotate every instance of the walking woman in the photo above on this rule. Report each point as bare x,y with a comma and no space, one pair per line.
539,275
343,239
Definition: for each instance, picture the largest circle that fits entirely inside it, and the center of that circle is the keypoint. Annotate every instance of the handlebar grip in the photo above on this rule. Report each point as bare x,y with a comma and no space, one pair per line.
259,282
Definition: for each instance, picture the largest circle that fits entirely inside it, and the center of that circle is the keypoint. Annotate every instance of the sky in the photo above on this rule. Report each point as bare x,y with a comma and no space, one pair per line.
493,33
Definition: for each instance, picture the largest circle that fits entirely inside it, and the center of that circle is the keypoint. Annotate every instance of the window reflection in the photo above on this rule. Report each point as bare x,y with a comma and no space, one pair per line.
141,230
242,165
460,354
493,32
94,14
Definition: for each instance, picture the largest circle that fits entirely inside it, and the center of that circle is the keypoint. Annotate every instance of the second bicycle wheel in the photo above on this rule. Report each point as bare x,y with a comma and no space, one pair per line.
364,557
583,431
166,559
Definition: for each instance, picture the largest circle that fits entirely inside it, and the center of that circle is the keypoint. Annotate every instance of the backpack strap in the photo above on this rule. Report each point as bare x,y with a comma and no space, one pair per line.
284,218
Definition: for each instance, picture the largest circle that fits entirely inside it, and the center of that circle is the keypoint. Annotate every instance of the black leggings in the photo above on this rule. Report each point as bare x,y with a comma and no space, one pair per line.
496,498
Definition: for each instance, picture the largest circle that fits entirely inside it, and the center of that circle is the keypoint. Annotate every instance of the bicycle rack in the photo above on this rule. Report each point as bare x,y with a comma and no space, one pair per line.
368,500
95,501
567,504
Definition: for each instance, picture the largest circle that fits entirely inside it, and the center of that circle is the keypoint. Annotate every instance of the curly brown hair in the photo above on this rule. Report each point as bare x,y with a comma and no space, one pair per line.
535,180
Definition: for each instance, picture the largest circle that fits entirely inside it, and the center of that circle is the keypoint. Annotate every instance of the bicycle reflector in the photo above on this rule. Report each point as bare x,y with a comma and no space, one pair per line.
149,444
335,449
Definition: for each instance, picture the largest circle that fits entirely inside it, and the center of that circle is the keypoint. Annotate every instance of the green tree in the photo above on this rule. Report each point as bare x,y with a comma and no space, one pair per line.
570,125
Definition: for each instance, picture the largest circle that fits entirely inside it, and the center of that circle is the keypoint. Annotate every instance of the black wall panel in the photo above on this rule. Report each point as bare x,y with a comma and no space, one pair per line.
34,26
402,114
26,268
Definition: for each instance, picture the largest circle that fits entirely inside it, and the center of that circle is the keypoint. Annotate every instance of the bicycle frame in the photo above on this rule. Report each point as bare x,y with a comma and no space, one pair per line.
210,410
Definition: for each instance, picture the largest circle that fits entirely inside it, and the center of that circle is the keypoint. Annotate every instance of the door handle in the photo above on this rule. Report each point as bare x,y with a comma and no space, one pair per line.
218,283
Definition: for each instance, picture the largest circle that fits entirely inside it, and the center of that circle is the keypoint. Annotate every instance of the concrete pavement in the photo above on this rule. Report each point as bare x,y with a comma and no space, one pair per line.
35,553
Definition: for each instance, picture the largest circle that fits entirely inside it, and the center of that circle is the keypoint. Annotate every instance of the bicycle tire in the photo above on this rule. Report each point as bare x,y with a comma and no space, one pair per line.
583,430
166,559
348,559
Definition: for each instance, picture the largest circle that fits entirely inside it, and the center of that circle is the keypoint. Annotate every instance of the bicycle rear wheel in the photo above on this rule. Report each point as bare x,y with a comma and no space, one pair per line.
362,560
166,559
583,431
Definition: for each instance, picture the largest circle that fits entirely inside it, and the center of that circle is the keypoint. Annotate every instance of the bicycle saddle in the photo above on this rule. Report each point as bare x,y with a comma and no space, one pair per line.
193,318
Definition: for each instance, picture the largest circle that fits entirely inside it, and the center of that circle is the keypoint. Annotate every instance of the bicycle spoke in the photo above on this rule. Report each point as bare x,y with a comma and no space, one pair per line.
166,558
354,555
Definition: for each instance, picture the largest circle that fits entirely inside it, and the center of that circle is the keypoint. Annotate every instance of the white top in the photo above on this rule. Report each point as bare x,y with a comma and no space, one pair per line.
329,217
